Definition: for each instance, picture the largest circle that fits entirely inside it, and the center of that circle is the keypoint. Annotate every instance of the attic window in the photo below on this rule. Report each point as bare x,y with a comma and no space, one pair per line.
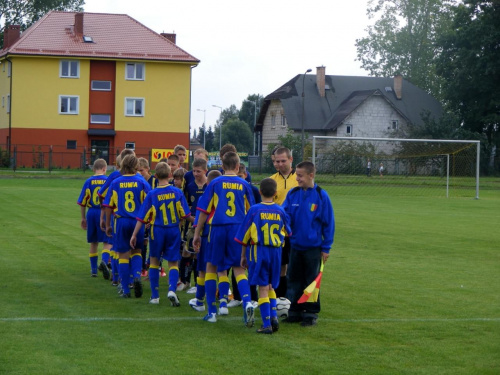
88,39
388,89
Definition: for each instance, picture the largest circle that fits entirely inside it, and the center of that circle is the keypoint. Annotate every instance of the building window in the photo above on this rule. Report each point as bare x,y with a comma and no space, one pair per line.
8,103
68,105
348,129
69,69
100,118
100,85
71,145
130,145
273,120
134,71
283,120
9,69
134,107
395,124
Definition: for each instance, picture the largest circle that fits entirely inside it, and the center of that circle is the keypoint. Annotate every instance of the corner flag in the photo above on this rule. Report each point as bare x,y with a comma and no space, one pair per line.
311,293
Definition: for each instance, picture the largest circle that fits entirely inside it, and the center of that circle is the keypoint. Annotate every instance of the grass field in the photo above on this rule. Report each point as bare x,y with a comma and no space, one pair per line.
412,288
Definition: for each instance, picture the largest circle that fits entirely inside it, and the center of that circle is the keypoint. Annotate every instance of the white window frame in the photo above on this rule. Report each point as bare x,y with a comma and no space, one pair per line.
69,97
130,145
8,103
9,68
61,62
100,122
348,129
135,100
97,89
134,78
395,124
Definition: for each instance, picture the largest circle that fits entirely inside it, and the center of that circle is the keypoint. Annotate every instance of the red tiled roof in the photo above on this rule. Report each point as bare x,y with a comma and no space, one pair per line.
116,36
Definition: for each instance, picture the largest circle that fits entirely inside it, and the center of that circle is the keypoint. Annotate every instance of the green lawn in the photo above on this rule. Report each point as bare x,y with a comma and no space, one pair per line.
412,288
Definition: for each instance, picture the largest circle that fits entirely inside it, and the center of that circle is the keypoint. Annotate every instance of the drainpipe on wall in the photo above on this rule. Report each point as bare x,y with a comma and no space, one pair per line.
10,67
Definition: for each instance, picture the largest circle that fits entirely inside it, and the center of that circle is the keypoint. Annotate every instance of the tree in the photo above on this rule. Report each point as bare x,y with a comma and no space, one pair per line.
248,112
237,133
470,66
27,12
402,40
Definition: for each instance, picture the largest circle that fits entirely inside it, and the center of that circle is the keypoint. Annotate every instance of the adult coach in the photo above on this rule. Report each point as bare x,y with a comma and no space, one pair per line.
313,227
286,180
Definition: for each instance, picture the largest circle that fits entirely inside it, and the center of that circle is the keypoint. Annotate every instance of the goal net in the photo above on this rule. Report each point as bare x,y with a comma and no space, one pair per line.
403,167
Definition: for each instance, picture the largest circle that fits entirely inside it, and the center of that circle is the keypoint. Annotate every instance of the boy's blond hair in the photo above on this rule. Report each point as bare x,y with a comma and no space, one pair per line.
130,163
99,164
228,147
179,147
174,157
201,151
242,169
143,163
179,173
162,170
127,151
230,160
307,166
118,162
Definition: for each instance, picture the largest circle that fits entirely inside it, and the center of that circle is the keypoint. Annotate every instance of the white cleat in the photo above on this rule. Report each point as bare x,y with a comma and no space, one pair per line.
223,310
173,299
194,304
154,301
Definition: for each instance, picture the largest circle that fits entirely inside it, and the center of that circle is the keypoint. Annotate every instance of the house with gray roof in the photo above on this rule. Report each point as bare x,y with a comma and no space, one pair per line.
343,106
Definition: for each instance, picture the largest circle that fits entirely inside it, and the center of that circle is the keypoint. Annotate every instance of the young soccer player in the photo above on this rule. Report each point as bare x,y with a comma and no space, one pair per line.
178,178
90,219
124,200
197,302
173,163
229,199
181,152
200,153
193,192
164,207
228,147
261,251
313,225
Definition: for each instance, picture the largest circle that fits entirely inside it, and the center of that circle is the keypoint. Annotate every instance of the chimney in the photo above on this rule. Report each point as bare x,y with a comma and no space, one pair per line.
11,35
320,80
398,86
79,24
172,37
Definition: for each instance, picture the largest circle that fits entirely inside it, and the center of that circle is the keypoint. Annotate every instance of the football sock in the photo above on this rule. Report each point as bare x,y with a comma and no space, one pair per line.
272,303
124,271
265,311
211,289
200,289
105,256
281,289
154,281
244,288
115,266
136,265
93,263
223,290
173,276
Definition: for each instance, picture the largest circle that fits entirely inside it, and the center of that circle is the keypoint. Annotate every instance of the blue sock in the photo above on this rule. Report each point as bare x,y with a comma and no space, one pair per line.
115,267
93,263
265,311
154,281
211,289
244,288
136,263
272,302
200,290
105,256
173,276
124,271
223,290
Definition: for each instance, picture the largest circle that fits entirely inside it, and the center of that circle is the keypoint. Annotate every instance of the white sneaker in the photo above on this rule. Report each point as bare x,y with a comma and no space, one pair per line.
234,303
223,310
173,299
191,290
211,318
249,315
255,304
181,286
154,301
194,304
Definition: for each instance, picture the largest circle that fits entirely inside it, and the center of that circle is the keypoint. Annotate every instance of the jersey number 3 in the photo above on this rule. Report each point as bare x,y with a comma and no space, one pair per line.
231,208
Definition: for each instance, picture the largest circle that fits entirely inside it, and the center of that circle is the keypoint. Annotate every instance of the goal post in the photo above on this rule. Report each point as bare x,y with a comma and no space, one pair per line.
399,163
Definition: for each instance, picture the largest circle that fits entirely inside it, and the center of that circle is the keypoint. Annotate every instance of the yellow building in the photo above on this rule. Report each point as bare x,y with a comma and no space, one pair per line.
94,82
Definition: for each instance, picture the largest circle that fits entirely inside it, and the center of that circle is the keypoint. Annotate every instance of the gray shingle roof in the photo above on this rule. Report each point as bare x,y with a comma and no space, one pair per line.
344,95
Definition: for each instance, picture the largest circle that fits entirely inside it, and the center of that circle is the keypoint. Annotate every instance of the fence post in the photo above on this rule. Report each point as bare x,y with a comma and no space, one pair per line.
14,159
50,159
84,159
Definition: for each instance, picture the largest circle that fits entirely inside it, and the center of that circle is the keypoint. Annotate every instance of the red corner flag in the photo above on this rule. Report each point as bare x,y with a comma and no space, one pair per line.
311,293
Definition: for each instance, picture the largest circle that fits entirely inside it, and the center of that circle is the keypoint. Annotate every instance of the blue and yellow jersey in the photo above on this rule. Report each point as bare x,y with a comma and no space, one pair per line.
153,182
126,194
104,188
193,194
229,199
89,197
164,206
265,224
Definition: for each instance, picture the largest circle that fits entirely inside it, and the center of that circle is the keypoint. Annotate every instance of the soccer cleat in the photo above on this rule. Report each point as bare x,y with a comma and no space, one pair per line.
125,295
249,315
154,301
234,303
211,318
144,273
191,290
223,310
308,322
265,330
162,272
103,267
275,324
137,287
115,283
93,275
182,286
173,299
194,304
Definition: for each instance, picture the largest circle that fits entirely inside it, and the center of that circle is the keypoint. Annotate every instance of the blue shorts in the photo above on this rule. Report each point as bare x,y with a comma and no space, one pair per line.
264,265
164,242
200,258
124,227
94,232
223,251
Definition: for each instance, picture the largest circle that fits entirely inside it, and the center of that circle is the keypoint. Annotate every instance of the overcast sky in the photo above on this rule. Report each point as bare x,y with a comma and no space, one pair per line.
251,47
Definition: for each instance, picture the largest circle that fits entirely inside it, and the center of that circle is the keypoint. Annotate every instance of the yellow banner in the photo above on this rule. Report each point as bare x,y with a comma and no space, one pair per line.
159,153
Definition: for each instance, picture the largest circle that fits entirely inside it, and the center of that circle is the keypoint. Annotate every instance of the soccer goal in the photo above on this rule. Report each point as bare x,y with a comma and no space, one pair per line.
398,166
